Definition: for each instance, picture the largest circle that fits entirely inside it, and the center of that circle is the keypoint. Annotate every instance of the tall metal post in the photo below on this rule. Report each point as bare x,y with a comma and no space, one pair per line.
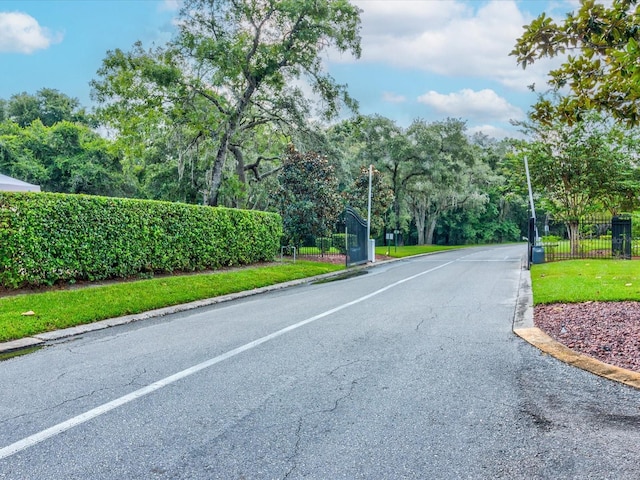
533,208
369,204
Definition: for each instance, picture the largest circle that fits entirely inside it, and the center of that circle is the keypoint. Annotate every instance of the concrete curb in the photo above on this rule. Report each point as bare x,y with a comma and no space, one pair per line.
42,339
523,326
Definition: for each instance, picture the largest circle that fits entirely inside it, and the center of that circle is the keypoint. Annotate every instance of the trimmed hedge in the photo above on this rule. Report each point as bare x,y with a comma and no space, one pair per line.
340,241
47,238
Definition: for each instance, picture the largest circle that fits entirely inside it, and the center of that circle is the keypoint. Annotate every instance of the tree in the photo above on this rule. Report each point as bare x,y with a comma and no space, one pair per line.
307,196
580,168
23,109
66,157
444,178
48,105
231,68
602,69
386,146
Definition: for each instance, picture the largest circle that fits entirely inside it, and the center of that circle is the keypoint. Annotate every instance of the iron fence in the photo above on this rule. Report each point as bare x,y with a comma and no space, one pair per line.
591,237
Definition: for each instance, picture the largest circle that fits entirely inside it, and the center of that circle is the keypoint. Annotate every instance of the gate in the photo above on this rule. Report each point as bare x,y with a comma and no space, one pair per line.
621,237
355,238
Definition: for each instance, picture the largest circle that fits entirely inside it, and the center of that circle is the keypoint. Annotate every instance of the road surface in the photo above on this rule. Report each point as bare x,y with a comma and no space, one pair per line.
408,371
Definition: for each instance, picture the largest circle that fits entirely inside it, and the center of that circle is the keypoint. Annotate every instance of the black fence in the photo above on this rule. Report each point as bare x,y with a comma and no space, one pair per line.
592,237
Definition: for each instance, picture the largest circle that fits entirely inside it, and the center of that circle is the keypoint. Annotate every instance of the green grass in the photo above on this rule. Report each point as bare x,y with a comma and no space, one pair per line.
407,251
317,251
56,309
573,281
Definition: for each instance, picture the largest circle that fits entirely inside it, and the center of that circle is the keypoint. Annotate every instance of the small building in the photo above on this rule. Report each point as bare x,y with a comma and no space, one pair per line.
8,184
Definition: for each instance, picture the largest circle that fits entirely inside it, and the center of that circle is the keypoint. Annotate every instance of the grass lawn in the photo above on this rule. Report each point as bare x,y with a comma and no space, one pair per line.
407,251
56,309
573,281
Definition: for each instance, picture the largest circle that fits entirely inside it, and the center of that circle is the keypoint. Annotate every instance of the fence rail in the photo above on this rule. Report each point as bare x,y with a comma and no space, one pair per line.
593,237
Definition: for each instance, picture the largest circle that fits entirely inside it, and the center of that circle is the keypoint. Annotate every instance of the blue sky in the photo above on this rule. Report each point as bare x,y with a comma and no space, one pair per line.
427,59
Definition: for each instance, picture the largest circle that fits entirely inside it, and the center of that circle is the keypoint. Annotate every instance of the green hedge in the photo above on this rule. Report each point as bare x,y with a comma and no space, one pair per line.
47,238
340,241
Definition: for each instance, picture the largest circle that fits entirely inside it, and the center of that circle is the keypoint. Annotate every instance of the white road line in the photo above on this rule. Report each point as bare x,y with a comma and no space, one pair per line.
96,412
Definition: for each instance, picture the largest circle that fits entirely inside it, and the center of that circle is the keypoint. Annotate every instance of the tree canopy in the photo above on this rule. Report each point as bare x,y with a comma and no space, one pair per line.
307,196
66,157
601,66
48,105
232,67
581,168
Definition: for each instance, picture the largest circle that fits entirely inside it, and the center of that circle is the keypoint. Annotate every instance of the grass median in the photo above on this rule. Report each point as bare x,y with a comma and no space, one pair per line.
575,281
56,309
410,250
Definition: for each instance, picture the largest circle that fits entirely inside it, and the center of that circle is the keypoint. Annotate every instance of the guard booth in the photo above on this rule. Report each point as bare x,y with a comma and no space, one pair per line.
357,243
621,237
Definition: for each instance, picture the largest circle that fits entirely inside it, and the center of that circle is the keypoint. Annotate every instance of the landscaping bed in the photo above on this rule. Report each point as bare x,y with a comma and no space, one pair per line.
607,331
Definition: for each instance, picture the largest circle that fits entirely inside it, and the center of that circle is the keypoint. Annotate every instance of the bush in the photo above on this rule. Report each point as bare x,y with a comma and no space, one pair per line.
340,241
323,244
550,239
47,238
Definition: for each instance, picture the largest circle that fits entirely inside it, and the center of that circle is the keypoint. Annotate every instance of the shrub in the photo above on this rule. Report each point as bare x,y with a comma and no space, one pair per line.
550,239
323,244
47,238
340,241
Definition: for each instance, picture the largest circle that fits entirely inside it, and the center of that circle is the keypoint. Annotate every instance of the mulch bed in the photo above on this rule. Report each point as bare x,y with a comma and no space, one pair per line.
607,331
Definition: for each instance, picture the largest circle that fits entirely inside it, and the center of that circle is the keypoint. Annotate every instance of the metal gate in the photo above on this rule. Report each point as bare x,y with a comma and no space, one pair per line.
355,238
621,236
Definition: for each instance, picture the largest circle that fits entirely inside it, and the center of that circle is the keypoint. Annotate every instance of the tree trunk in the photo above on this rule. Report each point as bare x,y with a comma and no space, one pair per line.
230,130
420,215
431,228
573,228
216,175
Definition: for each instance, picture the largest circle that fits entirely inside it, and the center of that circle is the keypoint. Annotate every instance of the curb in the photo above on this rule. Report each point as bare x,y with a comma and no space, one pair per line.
523,326
41,339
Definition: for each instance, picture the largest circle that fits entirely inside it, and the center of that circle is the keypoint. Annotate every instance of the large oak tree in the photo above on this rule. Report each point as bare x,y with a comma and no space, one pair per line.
234,65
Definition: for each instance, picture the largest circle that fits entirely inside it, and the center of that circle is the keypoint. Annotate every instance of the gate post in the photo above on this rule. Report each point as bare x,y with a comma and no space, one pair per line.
621,236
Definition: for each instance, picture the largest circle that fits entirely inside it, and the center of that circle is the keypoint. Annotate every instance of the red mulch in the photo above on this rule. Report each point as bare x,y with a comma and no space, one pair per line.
607,331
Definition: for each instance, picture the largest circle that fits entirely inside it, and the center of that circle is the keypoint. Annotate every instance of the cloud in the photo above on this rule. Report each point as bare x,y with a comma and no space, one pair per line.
451,38
484,104
391,97
493,131
170,5
21,33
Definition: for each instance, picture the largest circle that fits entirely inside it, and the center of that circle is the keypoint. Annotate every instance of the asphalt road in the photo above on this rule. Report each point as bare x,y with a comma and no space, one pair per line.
408,371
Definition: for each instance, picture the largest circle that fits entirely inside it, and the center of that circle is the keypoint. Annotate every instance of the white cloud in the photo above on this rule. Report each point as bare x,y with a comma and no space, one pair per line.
391,97
21,33
170,5
484,104
494,132
448,38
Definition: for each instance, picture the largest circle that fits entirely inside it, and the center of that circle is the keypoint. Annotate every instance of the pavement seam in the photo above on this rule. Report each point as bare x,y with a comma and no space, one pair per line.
523,326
